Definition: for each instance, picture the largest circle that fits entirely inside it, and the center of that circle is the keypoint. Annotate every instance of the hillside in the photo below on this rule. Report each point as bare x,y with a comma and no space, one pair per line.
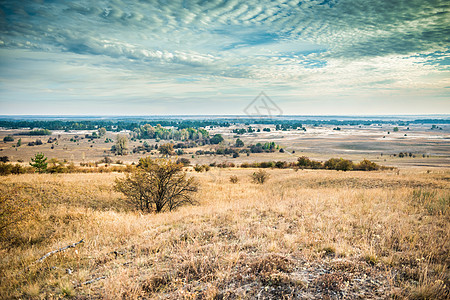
305,234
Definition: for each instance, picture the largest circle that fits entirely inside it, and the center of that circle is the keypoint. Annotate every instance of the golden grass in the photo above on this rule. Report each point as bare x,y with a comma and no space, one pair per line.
374,233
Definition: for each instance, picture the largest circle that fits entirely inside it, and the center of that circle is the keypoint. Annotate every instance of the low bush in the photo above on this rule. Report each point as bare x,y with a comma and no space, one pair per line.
234,179
366,165
184,161
7,169
198,168
37,132
225,165
260,176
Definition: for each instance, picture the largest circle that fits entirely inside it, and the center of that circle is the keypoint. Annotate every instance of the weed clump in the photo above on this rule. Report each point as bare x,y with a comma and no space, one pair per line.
201,168
430,202
332,281
234,179
260,177
328,251
273,269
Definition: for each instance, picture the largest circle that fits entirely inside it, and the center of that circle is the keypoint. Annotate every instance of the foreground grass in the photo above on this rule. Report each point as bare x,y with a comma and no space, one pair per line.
303,234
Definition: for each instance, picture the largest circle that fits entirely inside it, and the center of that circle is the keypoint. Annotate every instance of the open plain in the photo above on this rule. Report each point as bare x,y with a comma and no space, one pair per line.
381,144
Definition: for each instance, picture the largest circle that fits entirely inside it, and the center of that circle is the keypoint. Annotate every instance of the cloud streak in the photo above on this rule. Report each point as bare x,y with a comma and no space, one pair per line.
350,47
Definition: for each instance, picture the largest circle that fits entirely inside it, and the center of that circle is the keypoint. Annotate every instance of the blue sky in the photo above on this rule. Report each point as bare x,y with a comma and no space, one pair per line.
214,57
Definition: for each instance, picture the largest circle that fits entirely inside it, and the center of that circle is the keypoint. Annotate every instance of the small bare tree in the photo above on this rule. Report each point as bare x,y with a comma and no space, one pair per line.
136,188
158,185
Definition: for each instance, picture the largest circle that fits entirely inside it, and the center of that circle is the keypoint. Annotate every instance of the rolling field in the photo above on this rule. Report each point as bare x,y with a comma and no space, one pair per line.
314,234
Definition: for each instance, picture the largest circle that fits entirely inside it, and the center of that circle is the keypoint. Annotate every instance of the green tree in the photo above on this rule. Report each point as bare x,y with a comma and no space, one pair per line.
395,129
157,185
239,143
8,139
216,139
121,147
19,143
39,162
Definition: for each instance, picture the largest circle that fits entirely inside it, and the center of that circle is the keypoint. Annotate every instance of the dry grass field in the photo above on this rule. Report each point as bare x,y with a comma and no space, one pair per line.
311,234
319,143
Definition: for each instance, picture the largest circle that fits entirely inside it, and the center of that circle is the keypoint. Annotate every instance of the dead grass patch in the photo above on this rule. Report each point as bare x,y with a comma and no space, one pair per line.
290,237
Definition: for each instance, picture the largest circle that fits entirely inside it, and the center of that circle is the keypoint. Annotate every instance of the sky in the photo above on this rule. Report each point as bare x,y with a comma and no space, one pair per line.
155,57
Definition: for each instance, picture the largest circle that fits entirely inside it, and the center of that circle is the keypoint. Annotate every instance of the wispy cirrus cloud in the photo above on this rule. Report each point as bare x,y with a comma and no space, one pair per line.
192,49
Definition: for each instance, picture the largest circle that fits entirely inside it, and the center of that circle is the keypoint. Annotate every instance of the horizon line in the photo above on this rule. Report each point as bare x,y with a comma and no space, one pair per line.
220,115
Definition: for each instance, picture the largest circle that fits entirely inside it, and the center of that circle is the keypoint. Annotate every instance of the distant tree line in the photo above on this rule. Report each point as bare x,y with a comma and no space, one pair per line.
148,131
266,147
319,121
187,138
282,126
36,132
108,124
119,124
339,164
238,148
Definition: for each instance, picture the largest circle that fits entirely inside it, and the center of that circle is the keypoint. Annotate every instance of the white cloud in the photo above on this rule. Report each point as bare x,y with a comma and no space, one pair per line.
348,48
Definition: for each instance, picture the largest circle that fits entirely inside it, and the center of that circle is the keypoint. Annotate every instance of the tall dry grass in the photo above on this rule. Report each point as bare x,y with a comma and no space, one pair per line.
304,233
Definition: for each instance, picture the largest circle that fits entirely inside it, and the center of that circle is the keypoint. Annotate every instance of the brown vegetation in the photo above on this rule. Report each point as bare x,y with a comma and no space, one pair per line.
157,185
306,234
260,176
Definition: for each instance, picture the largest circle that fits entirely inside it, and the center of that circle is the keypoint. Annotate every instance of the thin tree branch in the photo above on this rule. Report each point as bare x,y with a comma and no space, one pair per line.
90,281
59,250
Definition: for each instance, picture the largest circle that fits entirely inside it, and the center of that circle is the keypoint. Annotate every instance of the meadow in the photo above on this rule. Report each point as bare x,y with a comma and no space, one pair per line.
303,234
